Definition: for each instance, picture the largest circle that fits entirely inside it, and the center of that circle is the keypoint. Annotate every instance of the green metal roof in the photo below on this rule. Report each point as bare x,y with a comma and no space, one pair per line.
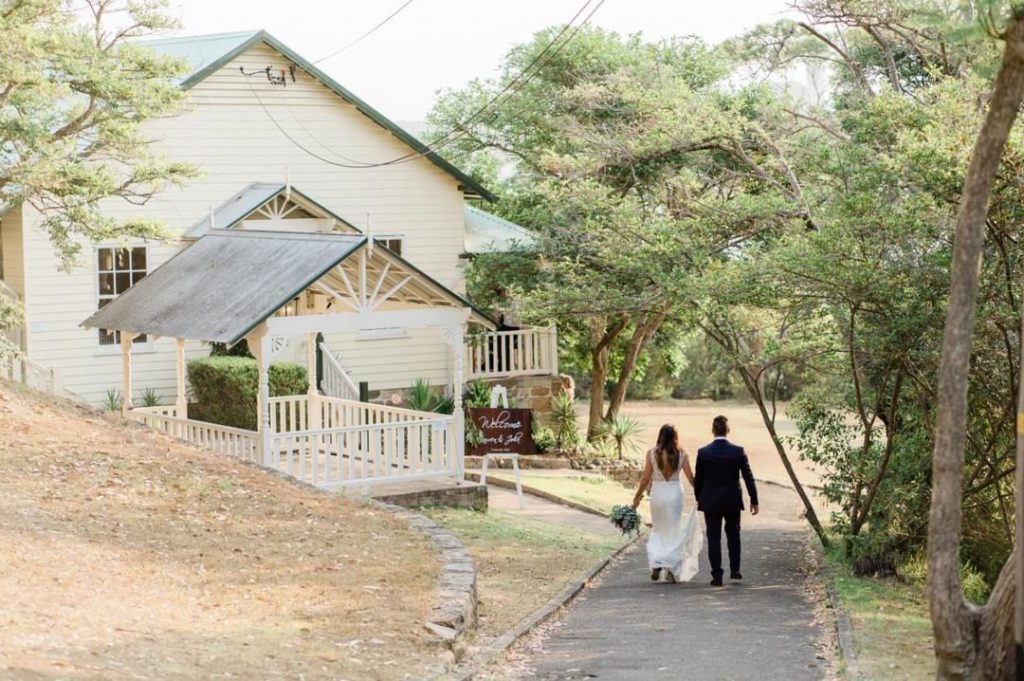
206,54
488,233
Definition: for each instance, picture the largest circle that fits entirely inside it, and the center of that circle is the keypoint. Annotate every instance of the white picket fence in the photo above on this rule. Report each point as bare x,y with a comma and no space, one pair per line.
341,443
531,351
237,442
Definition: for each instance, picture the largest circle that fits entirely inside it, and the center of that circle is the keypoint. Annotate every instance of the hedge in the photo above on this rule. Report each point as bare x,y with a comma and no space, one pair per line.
226,387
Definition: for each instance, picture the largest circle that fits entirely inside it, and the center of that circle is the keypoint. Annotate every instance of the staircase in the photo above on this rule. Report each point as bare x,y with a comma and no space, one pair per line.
336,381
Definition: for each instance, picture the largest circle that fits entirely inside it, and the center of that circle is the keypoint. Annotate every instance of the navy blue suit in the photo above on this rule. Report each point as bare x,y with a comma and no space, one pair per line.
716,486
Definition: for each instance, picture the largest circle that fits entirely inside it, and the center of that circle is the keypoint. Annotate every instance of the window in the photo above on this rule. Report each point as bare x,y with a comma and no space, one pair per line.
392,243
117,270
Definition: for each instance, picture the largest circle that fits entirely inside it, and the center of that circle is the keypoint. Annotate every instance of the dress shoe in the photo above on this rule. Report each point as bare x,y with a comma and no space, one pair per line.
735,575
655,574
717,581
669,577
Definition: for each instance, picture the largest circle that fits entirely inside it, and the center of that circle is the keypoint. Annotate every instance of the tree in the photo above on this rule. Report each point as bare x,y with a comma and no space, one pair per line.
638,163
970,642
75,90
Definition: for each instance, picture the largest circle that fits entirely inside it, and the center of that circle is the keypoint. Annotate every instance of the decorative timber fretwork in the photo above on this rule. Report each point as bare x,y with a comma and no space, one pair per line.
280,207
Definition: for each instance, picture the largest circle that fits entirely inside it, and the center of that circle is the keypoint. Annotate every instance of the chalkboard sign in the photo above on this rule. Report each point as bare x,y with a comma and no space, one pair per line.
505,431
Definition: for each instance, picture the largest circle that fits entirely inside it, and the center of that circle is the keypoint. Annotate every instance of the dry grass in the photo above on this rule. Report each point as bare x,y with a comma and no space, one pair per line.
124,554
593,490
692,419
521,563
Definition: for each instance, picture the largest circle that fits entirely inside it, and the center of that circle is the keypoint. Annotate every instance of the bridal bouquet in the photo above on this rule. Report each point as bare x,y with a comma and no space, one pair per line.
626,519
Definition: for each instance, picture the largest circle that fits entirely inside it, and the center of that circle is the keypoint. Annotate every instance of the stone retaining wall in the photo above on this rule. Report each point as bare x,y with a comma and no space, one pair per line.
463,496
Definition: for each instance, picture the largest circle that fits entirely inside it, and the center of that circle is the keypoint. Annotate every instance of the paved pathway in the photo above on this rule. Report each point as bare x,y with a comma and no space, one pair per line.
628,628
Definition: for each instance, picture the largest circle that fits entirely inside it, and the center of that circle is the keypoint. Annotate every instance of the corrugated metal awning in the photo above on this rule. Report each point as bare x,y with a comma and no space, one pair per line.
224,285
228,282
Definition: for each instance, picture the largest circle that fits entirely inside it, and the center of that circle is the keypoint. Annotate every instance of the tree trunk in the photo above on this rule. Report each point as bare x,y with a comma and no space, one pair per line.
602,335
642,335
961,652
769,424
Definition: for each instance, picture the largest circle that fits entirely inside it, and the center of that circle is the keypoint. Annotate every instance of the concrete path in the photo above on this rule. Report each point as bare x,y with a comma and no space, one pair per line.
628,628
504,500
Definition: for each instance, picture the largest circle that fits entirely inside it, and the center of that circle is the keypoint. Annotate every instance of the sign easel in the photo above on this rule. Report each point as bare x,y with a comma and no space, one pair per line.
499,399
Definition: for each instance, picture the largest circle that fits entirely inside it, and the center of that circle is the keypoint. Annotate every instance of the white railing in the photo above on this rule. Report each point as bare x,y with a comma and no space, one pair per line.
236,442
531,351
337,382
32,374
158,410
346,443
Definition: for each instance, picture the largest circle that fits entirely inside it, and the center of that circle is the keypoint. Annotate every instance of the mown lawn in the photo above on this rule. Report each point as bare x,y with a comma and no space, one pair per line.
590,489
891,627
521,562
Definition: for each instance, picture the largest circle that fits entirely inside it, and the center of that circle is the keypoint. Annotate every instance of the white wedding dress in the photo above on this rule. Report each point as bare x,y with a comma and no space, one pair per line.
675,540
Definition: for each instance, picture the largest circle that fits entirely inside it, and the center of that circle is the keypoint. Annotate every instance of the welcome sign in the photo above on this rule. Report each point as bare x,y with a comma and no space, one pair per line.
505,431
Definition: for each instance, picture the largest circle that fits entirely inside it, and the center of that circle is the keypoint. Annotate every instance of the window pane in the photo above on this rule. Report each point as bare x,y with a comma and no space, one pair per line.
122,282
139,258
121,259
137,277
106,259
106,284
106,337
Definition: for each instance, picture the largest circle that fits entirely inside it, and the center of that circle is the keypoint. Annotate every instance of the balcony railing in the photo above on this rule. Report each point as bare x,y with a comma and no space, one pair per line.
531,351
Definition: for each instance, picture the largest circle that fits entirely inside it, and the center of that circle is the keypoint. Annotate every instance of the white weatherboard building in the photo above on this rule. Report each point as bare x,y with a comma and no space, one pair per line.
284,150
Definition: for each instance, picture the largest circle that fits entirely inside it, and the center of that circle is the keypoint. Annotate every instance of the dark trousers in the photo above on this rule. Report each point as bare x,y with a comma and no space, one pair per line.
713,522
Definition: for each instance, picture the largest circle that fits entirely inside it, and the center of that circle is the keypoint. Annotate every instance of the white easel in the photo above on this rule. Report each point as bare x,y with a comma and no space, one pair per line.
500,393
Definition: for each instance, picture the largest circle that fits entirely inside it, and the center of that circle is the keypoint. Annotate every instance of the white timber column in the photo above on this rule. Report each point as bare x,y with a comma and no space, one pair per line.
312,396
181,404
259,346
126,373
458,349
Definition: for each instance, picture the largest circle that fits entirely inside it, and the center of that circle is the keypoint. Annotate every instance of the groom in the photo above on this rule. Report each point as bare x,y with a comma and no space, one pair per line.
716,485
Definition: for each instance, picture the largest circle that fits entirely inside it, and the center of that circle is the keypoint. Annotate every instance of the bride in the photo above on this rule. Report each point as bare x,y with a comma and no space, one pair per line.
674,544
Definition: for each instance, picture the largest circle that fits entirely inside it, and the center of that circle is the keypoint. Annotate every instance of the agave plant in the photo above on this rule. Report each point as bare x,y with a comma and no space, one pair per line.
113,400
421,396
149,397
477,394
563,420
623,431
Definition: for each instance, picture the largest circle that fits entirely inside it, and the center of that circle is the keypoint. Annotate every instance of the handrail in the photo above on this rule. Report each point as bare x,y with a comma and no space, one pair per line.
336,379
529,351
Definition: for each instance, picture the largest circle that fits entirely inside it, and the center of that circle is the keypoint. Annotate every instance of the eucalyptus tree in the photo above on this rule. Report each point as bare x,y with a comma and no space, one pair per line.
638,164
75,91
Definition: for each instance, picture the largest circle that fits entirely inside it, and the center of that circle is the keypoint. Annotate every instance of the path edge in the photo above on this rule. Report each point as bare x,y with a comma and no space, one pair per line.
843,625
454,615
559,601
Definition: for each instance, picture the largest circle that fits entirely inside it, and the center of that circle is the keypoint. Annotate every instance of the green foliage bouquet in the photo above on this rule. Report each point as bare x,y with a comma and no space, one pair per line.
626,519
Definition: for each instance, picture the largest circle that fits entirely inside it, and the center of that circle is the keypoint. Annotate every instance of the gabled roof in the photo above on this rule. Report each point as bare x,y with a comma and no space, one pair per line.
206,54
242,204
488,233
228,282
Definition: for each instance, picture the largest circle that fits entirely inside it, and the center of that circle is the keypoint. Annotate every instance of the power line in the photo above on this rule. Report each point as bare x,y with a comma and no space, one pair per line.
367,34
510,89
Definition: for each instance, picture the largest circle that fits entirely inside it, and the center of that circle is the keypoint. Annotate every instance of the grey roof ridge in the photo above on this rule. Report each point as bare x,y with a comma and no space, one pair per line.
338,89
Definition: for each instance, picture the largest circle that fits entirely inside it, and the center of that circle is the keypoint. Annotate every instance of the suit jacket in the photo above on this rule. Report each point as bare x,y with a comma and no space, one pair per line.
716,481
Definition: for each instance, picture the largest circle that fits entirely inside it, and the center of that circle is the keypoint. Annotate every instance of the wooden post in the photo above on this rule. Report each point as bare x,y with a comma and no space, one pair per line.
553,348
1019,596
259,346
126,373
181,403
364,391
458,348
312,396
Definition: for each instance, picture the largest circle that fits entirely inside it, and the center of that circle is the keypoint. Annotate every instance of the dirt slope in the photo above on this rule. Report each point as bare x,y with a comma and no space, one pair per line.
125,554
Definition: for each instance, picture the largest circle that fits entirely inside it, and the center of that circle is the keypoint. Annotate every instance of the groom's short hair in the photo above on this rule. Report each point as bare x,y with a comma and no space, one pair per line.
720,426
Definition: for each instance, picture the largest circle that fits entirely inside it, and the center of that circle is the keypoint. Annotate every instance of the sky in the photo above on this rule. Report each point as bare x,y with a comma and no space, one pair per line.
439,44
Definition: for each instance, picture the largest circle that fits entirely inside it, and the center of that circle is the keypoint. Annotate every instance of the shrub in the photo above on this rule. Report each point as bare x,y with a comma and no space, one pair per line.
113,400
563,421
150,397
227,387
543,437
424,398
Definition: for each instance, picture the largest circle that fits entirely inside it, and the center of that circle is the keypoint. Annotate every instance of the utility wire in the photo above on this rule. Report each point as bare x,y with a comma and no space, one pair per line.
510,89
360,39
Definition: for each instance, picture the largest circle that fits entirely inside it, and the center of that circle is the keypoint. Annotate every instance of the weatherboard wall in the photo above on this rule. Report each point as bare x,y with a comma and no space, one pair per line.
228,135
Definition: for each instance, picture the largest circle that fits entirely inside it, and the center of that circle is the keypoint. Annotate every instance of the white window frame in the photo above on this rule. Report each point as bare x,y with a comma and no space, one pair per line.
400,238
115,347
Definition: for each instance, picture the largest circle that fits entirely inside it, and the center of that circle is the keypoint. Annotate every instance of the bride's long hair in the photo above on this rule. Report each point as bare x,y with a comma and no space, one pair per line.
666,451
